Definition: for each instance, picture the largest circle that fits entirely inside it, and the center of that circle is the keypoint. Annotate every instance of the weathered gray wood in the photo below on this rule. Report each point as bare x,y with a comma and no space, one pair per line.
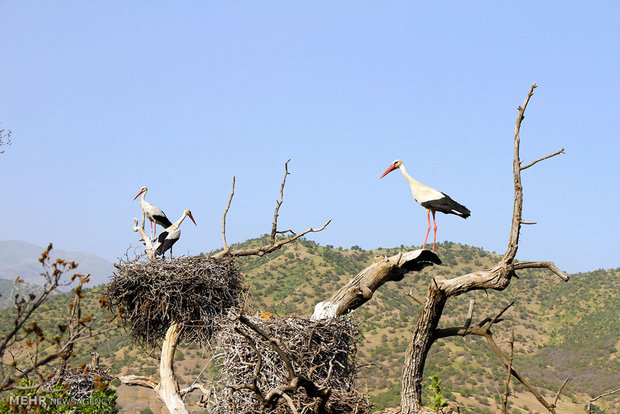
361,287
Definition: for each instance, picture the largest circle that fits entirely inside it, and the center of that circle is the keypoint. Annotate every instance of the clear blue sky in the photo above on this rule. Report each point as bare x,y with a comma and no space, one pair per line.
105,97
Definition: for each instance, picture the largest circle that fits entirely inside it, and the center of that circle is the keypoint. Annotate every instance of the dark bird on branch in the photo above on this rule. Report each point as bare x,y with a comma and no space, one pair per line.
431,199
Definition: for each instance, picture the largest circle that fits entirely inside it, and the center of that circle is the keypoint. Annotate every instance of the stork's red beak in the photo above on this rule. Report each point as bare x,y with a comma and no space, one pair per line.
138,194
389,170
191,217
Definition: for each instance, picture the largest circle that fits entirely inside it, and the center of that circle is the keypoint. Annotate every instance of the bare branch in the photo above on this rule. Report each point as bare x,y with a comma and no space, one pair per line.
540,265
418,301
543,158
263,250
274,225
195,386
590,401
139,380
496,317
507,386
361,287
470,314
557,394
273,244
148,244
232,193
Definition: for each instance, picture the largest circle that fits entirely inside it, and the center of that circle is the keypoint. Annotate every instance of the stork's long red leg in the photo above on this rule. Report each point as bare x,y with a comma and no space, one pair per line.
428,230
435,231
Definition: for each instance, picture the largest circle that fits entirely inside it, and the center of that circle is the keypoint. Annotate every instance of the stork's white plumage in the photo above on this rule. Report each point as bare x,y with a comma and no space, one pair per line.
430,199
154,214
170,235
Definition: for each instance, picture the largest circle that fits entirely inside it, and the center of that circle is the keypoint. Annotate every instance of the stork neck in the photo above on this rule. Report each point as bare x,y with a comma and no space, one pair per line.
143,201
179,221
412,181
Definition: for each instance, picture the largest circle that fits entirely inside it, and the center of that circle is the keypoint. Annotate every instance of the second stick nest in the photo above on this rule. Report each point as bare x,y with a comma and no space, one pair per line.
191,291
322,351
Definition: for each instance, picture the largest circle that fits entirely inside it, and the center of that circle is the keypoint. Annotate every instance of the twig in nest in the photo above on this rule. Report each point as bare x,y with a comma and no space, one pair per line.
318,356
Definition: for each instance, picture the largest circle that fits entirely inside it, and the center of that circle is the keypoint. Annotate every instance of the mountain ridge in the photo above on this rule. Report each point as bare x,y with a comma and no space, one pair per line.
20,258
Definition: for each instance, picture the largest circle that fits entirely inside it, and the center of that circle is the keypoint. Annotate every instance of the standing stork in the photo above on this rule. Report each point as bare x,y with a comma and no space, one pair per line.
170,235
429,198
154,214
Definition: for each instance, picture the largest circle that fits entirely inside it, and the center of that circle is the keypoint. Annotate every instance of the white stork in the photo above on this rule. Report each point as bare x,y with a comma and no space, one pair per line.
429,198
170,235
154,214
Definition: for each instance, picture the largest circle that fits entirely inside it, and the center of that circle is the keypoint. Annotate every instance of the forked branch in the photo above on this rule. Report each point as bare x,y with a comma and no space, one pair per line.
483,328
497,277
274,242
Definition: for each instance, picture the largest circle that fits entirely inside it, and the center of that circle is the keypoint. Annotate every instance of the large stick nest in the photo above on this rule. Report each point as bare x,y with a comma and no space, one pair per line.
191,291
322,351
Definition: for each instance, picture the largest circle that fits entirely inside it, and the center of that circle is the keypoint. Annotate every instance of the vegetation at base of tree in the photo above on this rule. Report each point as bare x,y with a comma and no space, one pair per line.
436,397
58,401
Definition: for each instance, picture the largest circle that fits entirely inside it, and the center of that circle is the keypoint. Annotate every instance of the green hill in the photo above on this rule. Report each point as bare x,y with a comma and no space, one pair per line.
561,329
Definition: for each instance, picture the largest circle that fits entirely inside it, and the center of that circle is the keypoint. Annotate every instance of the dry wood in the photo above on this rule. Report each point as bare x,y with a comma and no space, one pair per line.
483,328
598,397
148,243
507,386
361,287
498,277
272,365
275,243
167,387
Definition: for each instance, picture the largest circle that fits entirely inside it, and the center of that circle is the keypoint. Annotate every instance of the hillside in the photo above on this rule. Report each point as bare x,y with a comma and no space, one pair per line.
8,289
561,329
20,258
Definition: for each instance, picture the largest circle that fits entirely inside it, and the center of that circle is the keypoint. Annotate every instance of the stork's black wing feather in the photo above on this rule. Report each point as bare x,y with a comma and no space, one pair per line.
162,221
448,206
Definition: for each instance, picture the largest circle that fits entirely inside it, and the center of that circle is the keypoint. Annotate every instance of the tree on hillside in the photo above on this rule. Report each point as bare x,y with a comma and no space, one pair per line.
296,365
361,288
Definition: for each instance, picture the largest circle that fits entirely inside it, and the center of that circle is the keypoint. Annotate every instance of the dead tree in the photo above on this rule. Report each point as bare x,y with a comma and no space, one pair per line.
498,277
180,316
361,288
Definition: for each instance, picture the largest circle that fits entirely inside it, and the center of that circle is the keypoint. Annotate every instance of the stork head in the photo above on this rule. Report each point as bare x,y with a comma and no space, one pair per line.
189,214
142,190
396,164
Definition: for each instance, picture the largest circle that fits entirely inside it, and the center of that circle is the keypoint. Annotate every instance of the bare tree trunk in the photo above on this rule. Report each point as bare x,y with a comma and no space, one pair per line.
419,346
168,387
440,289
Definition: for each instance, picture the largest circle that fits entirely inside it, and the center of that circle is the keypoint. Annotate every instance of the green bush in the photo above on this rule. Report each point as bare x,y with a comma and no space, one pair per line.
102,401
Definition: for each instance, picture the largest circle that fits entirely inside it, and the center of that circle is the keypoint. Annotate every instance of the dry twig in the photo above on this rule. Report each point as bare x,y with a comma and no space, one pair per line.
275,243
265,362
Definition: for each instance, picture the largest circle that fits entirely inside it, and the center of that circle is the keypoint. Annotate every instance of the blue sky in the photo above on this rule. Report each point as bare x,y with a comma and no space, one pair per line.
105,97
